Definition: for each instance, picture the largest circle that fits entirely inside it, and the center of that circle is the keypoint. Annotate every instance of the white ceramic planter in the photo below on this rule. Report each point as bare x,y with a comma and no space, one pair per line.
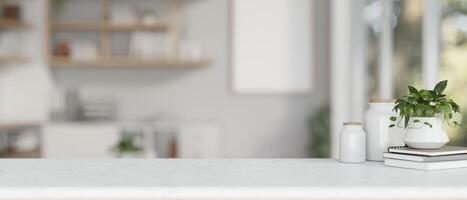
422,136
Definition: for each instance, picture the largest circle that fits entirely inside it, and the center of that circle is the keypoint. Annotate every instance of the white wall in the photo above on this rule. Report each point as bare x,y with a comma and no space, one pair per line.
252,126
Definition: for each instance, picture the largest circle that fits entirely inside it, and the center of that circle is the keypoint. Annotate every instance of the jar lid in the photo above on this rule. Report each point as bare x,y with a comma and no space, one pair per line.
353,123
382,100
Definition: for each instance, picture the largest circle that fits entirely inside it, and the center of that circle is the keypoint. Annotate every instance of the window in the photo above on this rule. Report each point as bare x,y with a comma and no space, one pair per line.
407,42
406,19
454,58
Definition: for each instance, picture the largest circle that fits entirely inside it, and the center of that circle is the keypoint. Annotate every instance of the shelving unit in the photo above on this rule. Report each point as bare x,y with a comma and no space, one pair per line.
14,25
108,26
127,62
7,128
104,27
14,59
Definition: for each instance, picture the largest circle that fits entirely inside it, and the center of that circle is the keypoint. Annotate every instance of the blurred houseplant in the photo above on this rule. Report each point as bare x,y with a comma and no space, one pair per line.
320,145
128,148
421,113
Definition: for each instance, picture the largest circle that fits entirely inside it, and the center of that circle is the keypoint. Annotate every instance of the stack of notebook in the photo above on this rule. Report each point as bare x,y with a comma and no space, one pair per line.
447,157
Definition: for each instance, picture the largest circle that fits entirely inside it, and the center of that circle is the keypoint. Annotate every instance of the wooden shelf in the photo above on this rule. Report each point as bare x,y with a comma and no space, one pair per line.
14,25
14,59
127,62
104,28
18,126
34,153
75,26
107,26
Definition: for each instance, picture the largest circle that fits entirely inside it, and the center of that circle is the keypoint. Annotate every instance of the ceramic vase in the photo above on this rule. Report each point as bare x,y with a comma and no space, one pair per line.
378,134
421,135
352,143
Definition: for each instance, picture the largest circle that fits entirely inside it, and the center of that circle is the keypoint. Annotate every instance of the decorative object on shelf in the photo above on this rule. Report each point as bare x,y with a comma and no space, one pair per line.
57,104
190,51
63,49
148,45
95,108
11,12
25,140
128,147
378,135
72,104
352,143
83,50
149,18
123,12
420,113
165,137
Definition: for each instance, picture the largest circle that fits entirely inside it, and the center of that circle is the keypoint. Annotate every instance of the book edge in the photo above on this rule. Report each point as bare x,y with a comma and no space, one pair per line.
426,166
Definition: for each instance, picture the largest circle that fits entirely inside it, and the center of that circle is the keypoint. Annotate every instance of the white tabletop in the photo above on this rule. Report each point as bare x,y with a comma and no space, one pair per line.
224,178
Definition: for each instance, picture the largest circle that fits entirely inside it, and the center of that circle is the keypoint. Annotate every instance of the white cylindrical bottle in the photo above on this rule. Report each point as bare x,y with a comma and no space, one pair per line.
352,143
378,133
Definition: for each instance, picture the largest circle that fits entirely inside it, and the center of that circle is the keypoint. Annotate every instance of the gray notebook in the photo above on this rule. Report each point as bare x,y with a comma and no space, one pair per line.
444,151
416,158
428,166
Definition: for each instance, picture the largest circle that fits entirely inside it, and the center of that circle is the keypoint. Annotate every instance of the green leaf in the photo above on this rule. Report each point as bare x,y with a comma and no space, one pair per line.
392,125
416,121
425,95
406,122
419,110
428,124
413,90
393,118
441,86
455,107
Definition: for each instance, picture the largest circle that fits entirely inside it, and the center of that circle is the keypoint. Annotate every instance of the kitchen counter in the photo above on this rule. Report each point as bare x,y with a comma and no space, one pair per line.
222,179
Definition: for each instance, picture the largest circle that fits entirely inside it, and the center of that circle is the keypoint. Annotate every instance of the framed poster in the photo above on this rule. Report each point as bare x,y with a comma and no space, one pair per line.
271,46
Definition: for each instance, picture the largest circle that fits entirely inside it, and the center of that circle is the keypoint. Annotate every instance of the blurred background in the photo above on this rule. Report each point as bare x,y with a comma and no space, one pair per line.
214,78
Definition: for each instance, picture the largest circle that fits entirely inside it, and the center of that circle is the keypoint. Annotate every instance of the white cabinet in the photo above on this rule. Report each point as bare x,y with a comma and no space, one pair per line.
79,140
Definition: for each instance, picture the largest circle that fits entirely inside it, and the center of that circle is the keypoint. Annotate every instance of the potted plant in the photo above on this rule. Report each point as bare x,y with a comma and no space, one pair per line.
127,148
421,113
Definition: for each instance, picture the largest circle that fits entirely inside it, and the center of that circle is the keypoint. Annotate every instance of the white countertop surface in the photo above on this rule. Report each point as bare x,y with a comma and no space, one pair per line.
222,179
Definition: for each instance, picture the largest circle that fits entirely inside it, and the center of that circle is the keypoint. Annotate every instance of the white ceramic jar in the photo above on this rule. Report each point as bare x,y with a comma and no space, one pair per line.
378,134
352,143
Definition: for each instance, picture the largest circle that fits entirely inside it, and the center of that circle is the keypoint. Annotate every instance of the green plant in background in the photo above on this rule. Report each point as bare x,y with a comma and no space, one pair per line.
320,134
127,145
425,103
57,6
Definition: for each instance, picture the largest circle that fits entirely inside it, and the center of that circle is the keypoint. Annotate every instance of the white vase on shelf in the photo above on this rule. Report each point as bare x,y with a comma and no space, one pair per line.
378,134
421,135
352,143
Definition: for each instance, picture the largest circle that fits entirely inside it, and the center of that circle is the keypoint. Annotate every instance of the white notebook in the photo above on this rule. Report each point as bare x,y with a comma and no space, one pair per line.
446,150
425,158
427,166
